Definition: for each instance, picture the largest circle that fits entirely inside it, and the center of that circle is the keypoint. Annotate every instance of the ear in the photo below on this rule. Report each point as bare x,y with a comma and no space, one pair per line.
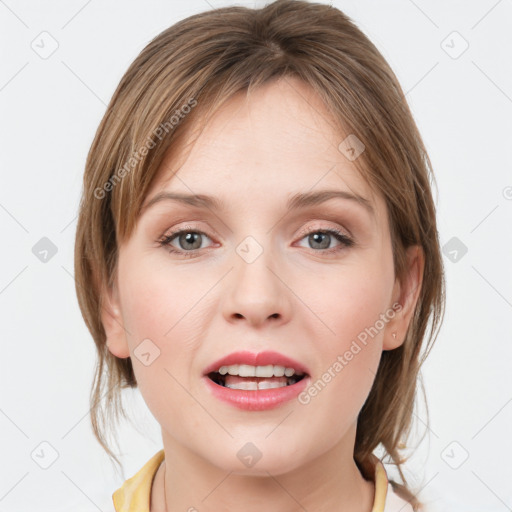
112,321
405,296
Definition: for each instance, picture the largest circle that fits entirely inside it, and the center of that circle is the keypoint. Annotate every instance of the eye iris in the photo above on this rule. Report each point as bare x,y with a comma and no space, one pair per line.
189,238
313,238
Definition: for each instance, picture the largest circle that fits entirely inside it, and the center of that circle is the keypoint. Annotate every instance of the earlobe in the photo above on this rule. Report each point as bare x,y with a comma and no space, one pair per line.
112,321
405,297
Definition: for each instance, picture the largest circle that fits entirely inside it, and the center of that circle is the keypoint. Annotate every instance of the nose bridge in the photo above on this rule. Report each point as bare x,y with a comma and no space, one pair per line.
256,293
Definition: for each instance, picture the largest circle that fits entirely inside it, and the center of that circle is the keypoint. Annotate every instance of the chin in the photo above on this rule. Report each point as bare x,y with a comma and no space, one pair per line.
248,460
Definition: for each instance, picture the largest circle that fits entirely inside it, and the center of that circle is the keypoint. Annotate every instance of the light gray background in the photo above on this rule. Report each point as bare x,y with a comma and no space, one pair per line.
50,109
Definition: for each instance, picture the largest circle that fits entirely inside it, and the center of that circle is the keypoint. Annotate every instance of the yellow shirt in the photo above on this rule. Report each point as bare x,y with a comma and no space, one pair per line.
134,495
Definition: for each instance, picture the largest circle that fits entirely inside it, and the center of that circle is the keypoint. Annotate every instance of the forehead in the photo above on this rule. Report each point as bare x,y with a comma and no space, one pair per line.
271,146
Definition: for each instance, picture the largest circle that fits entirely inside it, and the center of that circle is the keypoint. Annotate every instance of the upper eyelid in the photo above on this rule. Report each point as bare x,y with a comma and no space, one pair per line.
320,213
304,230
313,229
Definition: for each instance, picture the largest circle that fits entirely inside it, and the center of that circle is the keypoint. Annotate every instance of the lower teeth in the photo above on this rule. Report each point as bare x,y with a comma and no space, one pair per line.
254,386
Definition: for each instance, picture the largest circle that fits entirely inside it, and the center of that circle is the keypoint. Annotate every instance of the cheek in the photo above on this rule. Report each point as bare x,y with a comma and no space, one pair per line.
154,299
352,299
163,312
352,305
148,307
160,342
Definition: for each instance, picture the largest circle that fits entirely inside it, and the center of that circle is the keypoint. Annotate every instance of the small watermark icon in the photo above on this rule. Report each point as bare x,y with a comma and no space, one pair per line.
44,250
454,45
44,455
351,147
507,193
146,352
455,455
44,44
249,249
454,249
249,454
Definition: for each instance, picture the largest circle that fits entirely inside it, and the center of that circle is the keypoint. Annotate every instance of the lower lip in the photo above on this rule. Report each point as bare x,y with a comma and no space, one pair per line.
258,400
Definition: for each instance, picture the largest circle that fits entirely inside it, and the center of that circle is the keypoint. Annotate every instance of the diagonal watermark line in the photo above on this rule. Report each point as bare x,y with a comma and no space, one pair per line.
17,483
279,423
14,218
82,418
84,83
13,13
217,486
14,424
301,300
503,407
75,15
108,109
88,412
421,79
204,408
200,299
491,286
102,307
492,81
13,279
411,408
85,494
68,224
424,14
286,491
485,15
402,99
14,76
508,508
418,492
425,485
210,4
484,218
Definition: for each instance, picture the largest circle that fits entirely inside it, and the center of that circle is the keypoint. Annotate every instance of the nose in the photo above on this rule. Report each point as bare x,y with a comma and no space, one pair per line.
257,293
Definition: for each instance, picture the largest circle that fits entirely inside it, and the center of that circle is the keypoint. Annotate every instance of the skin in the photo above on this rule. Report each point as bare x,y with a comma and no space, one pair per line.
294,298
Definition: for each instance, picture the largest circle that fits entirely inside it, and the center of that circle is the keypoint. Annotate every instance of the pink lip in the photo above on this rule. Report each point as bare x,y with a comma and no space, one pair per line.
258,400
253,359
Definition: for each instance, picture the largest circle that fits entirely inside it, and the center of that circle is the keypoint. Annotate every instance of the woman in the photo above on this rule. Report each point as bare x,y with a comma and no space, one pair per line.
283,347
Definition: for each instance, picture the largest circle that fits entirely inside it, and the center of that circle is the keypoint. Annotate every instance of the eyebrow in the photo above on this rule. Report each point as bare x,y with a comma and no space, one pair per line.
297,201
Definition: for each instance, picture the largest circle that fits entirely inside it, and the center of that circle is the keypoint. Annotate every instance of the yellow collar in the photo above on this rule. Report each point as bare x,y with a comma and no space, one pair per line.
135,493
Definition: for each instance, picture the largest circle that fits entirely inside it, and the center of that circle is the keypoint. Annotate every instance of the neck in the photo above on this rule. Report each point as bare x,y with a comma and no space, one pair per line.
328,482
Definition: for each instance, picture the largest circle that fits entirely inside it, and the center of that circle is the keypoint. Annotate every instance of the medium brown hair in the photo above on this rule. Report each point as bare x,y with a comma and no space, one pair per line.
204,60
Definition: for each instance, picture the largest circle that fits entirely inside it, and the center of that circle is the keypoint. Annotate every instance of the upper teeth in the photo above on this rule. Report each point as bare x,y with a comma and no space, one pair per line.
246,370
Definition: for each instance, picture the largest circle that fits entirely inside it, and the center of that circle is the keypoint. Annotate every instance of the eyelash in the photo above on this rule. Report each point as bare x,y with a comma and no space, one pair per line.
338,235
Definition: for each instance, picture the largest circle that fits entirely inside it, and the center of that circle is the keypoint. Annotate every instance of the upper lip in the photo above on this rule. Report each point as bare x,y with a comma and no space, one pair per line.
256,359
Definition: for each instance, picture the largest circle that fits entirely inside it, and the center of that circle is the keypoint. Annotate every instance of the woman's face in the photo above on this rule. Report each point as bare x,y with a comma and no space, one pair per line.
254,275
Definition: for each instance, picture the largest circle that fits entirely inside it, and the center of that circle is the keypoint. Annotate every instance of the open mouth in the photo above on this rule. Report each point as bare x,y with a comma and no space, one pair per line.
253,383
